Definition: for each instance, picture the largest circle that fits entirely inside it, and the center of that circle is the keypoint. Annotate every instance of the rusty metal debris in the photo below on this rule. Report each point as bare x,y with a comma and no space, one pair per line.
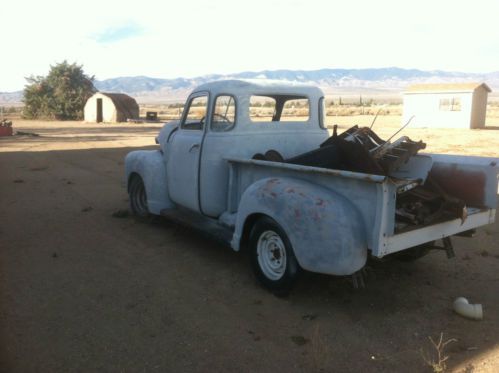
361,150
427,204
358,149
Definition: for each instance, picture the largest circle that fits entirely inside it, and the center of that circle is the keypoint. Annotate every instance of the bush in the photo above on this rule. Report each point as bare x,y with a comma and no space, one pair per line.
62,94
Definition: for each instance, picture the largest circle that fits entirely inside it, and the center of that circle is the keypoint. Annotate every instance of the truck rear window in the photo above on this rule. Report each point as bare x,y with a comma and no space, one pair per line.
279,108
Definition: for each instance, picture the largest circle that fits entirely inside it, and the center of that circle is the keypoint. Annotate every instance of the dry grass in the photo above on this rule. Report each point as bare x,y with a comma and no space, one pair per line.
436,358
174,111
344,110
333,109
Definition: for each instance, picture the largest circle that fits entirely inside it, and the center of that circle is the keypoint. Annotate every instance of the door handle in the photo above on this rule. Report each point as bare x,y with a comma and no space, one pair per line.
193,146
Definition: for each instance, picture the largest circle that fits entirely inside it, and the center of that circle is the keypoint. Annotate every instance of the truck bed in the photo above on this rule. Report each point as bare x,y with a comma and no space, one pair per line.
472,179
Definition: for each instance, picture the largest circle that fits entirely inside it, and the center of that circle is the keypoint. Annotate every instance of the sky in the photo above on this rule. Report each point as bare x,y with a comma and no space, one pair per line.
189,38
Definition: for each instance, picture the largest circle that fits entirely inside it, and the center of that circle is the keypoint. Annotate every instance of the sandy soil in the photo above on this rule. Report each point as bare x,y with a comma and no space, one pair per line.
82,290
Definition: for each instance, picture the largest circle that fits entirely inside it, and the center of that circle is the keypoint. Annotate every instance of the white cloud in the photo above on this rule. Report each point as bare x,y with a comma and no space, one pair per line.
178,38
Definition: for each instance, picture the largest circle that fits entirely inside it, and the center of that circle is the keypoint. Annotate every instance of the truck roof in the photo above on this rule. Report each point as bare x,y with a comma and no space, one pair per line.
240,87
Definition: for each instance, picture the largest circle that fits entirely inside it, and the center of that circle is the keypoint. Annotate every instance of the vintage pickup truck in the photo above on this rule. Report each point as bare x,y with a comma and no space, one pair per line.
256,179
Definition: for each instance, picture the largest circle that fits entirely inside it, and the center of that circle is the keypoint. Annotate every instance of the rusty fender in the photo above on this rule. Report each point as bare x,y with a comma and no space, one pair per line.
150,166
325,229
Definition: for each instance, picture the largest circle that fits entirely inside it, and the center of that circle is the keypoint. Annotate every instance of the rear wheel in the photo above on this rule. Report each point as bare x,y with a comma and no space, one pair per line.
138,197
272,256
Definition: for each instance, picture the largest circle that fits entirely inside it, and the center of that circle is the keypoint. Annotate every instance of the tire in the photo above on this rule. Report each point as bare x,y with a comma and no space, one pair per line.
138,197
272,257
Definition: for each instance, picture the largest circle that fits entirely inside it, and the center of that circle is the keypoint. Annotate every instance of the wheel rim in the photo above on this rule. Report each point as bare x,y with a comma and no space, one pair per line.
139,199
271,255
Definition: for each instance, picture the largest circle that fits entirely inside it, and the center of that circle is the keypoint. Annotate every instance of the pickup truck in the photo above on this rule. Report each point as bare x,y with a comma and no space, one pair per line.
242,176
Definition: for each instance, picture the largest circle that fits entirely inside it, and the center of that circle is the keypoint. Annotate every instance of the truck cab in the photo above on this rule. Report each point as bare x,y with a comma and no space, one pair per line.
217,123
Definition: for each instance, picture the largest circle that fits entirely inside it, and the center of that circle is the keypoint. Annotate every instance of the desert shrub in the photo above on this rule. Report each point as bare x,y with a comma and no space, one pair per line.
10,109
61,94
176,105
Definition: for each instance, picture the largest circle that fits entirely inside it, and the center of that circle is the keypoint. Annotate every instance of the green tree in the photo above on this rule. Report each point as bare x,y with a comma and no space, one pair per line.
59,95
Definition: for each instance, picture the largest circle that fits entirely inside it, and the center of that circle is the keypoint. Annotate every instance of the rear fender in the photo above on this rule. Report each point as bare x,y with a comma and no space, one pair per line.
325,229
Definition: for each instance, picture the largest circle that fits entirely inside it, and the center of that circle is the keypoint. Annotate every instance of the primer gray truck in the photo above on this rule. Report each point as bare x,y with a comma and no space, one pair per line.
209,173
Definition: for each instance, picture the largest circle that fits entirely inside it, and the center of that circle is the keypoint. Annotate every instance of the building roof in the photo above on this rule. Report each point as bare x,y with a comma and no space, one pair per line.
446,87
260,86
123,103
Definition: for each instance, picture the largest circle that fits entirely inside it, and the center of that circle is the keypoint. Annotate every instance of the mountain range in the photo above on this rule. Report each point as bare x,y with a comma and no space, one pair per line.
370,81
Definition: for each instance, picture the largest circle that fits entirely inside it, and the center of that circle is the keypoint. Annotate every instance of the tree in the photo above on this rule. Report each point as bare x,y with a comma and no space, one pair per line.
59,95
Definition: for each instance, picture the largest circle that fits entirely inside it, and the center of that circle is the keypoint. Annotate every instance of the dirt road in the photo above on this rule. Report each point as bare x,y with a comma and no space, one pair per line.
83,290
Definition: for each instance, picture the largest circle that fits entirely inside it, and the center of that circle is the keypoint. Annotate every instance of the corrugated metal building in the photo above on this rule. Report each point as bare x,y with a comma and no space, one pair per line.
454,105
110,107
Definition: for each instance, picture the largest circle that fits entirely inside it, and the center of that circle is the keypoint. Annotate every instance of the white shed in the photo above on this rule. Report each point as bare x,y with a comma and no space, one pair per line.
110,107
454,105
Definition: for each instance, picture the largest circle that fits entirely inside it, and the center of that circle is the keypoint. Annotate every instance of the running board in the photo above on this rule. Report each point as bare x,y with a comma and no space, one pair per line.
206,226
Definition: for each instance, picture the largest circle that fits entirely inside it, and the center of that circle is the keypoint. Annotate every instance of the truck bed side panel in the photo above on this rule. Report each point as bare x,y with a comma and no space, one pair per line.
365,192
325,229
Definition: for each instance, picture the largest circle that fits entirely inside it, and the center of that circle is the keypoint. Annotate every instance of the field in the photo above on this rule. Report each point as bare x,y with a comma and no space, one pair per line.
86,287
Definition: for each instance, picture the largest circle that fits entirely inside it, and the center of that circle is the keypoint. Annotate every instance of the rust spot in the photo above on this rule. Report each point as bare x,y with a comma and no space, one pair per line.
319,202
273,194
290,190
297,213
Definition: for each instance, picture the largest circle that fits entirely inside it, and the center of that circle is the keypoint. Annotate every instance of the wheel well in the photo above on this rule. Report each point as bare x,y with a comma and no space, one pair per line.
132,176
248,224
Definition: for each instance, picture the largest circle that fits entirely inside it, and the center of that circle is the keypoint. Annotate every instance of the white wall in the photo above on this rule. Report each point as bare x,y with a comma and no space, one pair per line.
426,109
108,109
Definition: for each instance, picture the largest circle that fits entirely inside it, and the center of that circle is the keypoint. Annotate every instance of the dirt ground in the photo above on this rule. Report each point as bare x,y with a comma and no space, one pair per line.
83,290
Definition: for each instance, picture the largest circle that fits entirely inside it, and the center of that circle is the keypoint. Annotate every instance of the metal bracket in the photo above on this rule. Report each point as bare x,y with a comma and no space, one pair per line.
448,248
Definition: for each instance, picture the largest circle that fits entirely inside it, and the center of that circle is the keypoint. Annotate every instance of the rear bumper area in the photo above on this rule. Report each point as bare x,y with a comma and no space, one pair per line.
401,241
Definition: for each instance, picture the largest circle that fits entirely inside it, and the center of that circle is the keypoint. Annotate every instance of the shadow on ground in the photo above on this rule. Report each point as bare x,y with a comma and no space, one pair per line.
84,290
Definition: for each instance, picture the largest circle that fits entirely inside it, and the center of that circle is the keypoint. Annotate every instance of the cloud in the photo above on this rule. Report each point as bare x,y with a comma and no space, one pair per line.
117,33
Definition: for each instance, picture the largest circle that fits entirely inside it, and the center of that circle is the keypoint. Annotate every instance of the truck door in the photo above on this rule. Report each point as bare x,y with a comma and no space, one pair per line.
183,162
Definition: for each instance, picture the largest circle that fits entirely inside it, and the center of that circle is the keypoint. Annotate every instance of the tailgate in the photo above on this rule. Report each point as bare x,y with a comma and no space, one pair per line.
471,180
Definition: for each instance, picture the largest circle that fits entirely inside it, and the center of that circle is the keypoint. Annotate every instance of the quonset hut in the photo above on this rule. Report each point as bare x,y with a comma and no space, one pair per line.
110,107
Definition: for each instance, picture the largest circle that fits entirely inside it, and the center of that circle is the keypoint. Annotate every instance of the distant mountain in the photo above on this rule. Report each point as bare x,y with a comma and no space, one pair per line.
11,98
131,84
382,81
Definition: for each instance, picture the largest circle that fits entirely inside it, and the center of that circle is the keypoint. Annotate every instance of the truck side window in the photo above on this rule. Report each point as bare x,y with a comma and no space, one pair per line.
196,114
224,114
262,108
279,108
295,110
